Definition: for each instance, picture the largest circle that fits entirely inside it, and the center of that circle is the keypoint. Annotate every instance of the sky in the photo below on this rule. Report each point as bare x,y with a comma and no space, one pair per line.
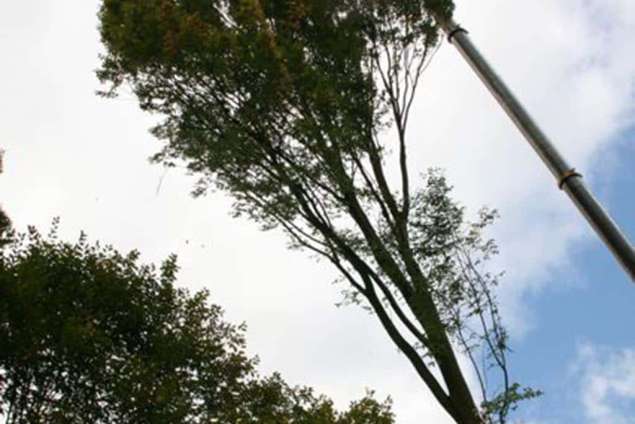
567,303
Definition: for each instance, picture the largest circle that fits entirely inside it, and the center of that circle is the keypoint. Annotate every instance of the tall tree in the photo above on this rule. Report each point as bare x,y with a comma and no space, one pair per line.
91,336
287,105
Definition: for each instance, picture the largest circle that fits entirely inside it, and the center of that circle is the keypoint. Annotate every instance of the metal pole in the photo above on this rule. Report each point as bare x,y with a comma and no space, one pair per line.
567,178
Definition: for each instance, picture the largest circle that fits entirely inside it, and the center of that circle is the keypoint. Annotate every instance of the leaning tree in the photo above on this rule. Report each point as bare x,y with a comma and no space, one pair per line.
300,109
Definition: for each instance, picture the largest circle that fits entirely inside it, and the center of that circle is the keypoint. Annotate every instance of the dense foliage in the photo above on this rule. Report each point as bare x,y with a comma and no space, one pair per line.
91,336
288,106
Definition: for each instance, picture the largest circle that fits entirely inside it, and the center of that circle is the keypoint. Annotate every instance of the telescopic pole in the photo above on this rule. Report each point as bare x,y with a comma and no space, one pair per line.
567,178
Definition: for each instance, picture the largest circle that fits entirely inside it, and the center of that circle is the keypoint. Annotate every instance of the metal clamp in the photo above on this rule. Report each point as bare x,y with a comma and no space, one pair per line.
565,177
455,31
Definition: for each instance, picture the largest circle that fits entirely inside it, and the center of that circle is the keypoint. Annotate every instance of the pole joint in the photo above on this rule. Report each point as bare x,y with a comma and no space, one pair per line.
457,29
566,176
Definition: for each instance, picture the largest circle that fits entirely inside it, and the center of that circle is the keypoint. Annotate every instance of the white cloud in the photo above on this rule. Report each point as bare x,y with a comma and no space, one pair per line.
607,389
84,158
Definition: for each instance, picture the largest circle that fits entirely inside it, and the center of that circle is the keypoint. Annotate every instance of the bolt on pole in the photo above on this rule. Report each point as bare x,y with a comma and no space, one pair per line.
567,178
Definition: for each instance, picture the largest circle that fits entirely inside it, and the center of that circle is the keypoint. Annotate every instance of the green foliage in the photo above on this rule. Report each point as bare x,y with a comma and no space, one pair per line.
246,85
497,409
91,335
277,403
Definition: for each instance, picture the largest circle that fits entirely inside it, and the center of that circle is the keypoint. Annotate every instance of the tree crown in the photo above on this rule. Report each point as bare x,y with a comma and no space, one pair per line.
91,335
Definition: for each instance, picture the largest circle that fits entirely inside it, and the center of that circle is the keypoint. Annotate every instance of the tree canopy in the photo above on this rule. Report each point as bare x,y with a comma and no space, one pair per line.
300,109
90,335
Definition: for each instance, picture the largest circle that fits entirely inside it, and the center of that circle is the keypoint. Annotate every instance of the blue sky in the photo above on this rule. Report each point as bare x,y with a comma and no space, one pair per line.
598,312
567,304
